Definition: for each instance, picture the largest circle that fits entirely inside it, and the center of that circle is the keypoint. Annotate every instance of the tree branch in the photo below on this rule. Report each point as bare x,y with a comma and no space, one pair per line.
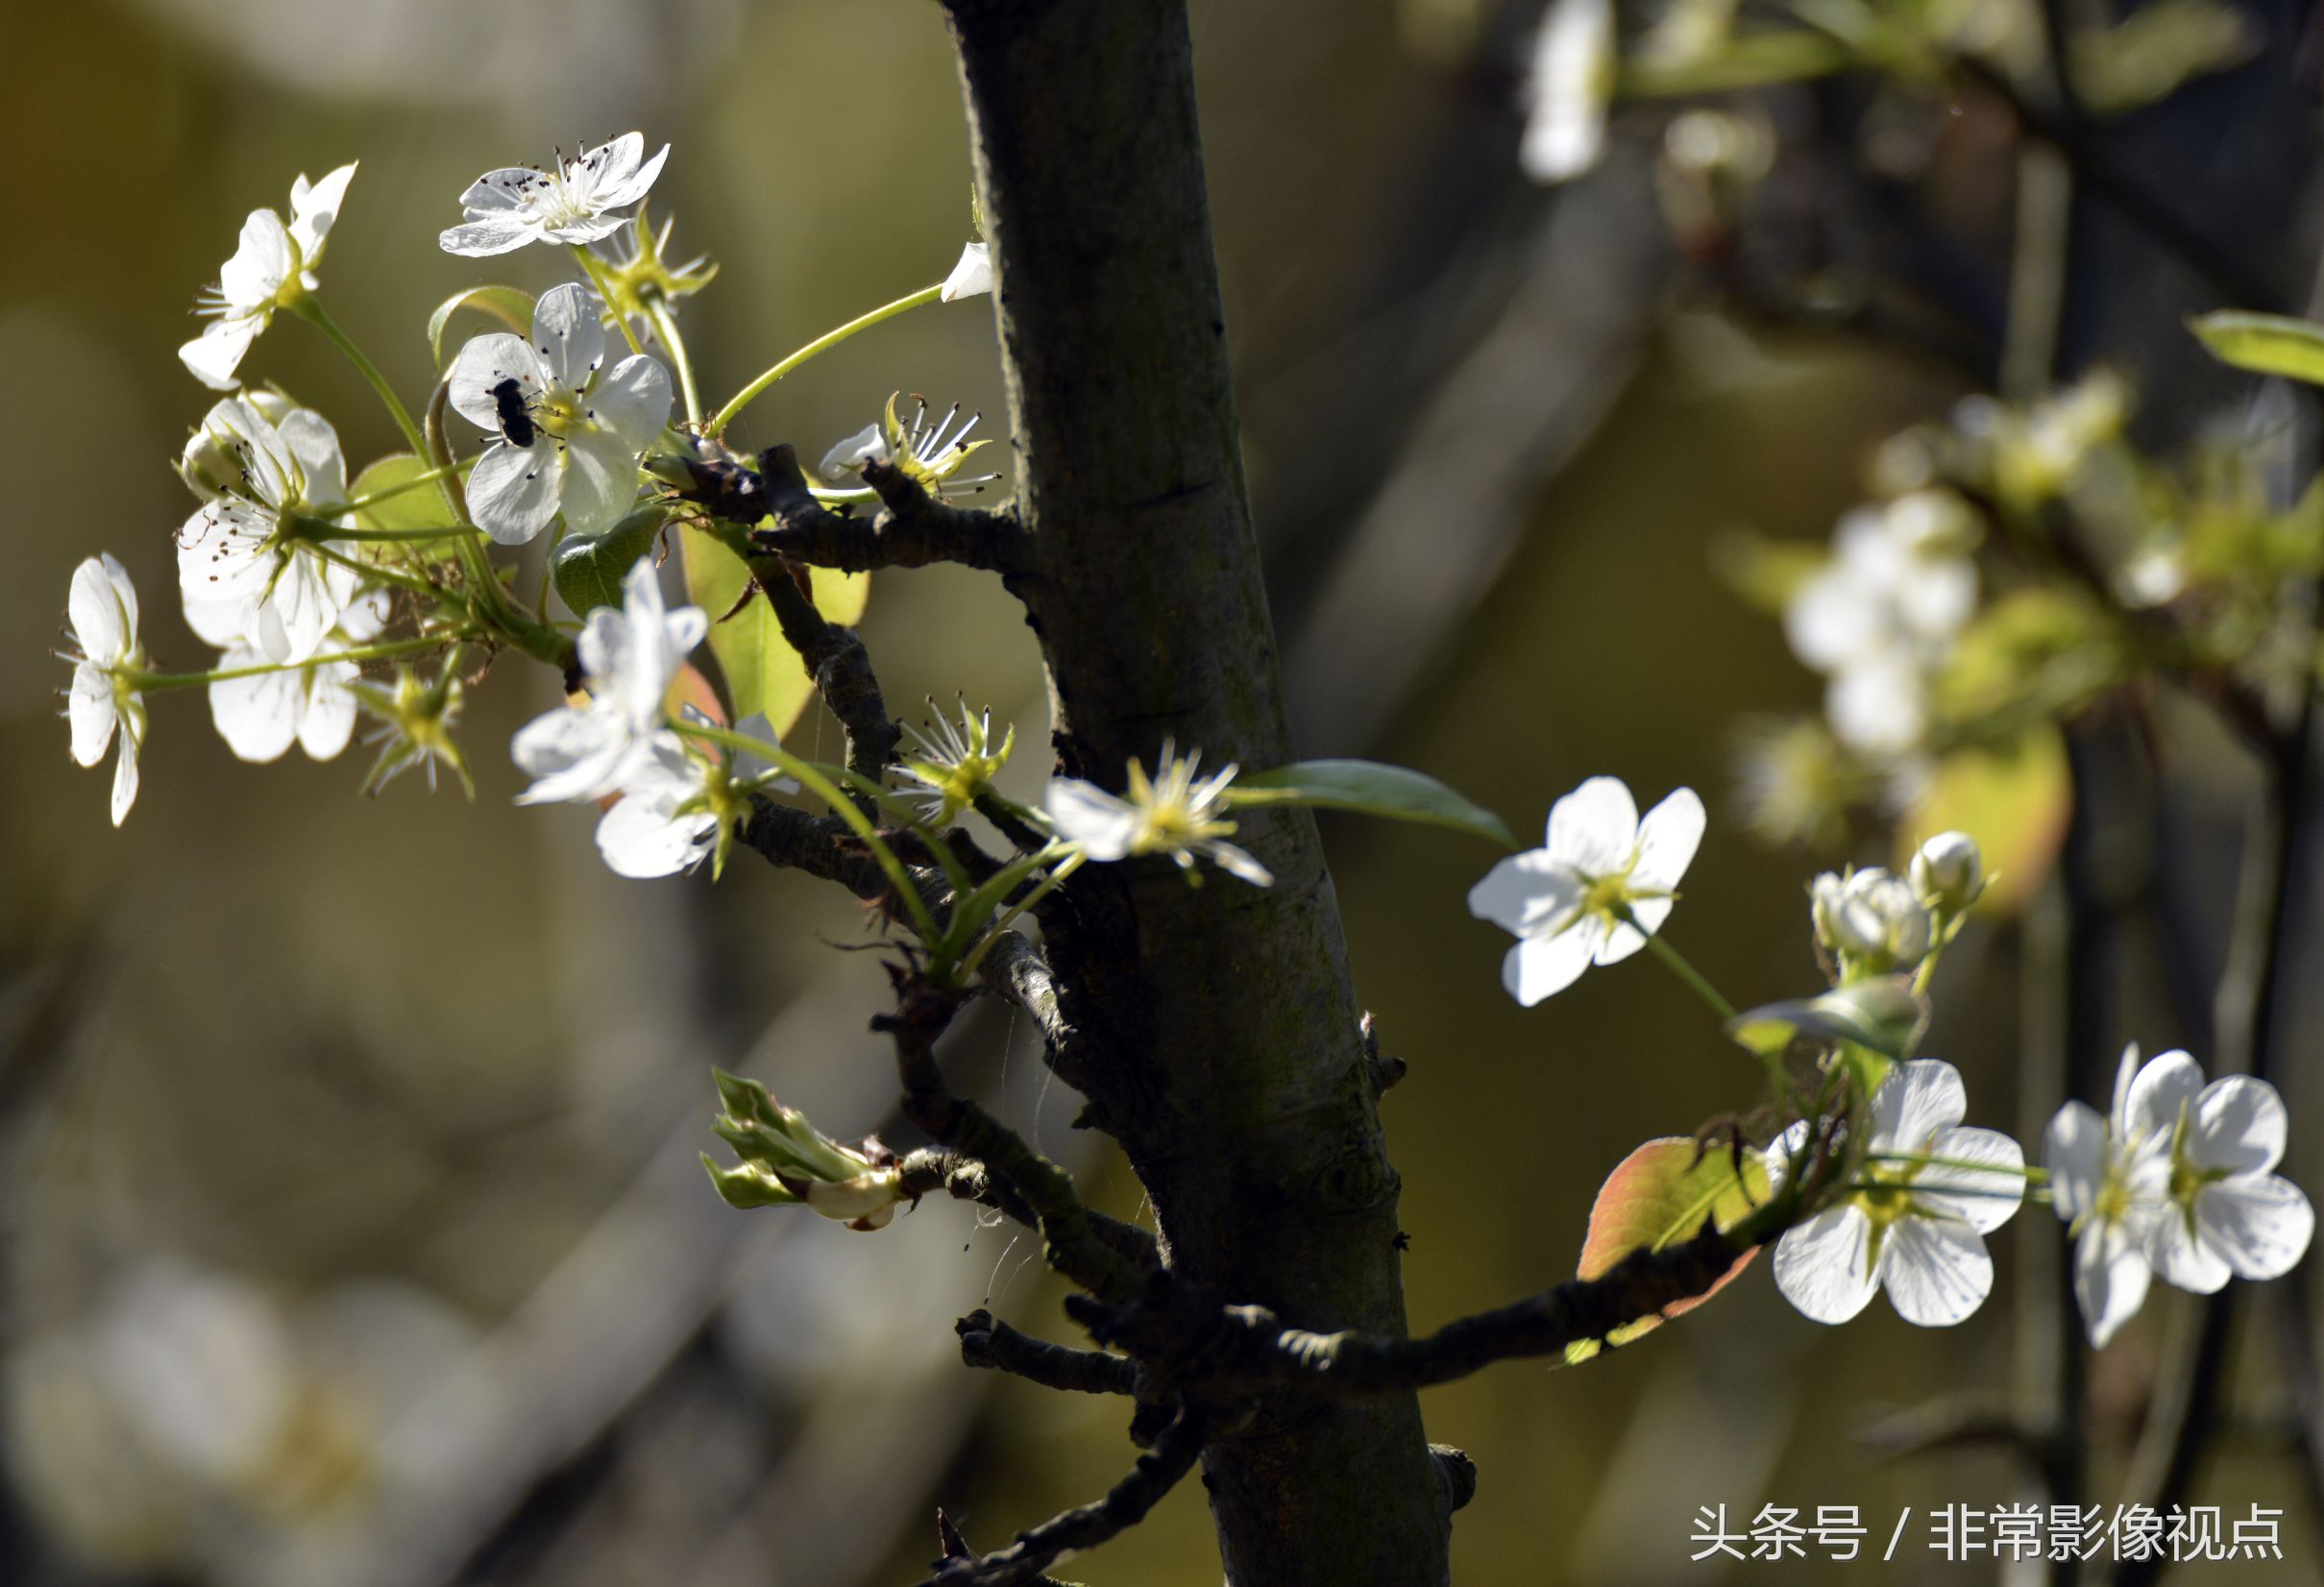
1076,1243
913,529
985,1341
1225,1350
1158,1470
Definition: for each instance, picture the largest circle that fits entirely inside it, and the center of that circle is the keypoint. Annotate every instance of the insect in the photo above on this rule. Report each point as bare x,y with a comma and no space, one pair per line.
516,420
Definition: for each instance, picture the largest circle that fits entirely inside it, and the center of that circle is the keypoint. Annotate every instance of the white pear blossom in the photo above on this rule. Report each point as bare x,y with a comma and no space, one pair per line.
1926,1192
679,807
103,610
954,765
273,267
2176,1180
577,446
1173,812
1566,902
930,453
577,200
1568,89
252,562
630,657
1872,919
314,706
971,277
1880,617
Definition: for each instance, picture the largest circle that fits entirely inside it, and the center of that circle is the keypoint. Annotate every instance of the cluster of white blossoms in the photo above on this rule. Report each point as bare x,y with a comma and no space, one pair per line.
298,584
1881,616
2178,1180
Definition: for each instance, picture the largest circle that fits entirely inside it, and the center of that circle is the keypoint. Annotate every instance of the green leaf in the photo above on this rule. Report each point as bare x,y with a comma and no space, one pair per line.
508,305
1749,61
1373,789
414,507
1661,1195
1881,1014
588,570
2266,344
763,674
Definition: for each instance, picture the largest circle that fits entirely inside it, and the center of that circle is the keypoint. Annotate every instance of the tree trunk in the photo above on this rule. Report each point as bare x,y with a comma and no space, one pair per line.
1223,1047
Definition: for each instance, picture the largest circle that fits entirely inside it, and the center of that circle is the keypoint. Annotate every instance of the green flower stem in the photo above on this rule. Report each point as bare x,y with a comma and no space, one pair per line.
828,340
1694,979
666,329
811,776
385,575
597,278
1049,884
897,810
154,683
2038,1196
322,528
311,310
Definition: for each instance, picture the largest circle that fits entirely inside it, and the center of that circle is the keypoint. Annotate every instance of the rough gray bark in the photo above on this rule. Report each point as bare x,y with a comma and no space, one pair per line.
1221,1038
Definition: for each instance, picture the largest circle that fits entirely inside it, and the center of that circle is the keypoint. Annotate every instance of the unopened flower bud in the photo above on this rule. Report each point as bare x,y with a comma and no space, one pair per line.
1948,874
1870,919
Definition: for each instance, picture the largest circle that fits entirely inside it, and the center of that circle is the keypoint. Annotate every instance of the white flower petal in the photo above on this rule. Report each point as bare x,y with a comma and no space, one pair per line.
1086,814
102,608
840,463
512,492
2239,1125
1983,1198
1527,895
573,756
1824,1266
1918,1100
330,717
262,264
1595,828
481,365
2259,1224
314,447
2073,1149
213,357
567,337
257,717
1622,941
1667,841
124,778
2180,1258
1543,966
1567,91
2167,1085
632,400
1877,704
90,710
2111,1278
1777,1155
1936,1272
617,189
1239,863
971,277
483,238
601,481
313,209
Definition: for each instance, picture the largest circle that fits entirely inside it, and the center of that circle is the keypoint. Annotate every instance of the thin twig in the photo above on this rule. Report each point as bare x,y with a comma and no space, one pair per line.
985,1341
1158,1470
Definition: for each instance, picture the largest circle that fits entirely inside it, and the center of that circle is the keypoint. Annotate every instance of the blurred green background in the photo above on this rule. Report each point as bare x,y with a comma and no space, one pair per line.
354,1230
